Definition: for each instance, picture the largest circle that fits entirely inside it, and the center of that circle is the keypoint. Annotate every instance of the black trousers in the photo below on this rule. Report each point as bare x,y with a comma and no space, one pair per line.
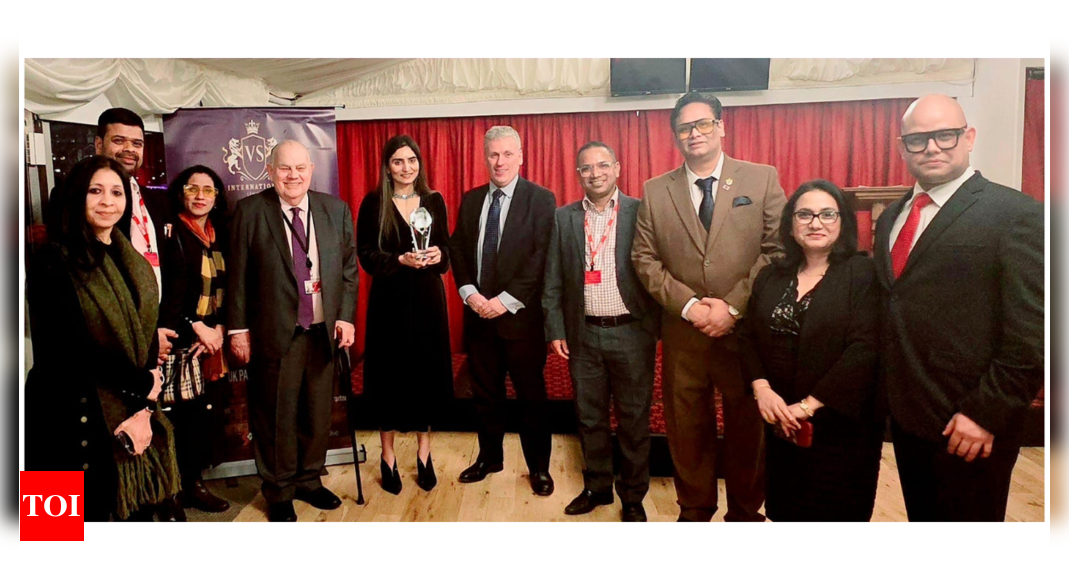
614,366
941,487
490,358
289,408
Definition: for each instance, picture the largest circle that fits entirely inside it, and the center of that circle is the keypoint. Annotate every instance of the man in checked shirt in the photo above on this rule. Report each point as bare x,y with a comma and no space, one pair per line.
600,319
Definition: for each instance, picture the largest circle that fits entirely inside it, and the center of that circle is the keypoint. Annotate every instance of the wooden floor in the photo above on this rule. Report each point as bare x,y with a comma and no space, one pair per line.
507,497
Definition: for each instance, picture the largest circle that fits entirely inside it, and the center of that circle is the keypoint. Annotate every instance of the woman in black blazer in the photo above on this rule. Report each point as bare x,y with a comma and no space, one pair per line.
808,347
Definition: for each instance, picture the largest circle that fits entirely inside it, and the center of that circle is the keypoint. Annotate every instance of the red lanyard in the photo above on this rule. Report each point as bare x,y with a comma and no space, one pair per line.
608,228
143,226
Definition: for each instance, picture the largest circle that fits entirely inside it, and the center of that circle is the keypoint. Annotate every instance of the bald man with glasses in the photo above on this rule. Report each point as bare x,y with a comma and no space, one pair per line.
704,231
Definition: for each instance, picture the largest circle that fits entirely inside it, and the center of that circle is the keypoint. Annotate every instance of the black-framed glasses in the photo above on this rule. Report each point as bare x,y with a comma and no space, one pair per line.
193,190
588,170
704,126
944,138
826,217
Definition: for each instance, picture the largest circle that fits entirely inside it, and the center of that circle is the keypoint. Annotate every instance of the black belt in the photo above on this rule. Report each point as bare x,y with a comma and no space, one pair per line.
610,321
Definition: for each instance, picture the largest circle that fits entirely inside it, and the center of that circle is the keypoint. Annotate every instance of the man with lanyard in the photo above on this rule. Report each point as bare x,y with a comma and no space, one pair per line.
602,320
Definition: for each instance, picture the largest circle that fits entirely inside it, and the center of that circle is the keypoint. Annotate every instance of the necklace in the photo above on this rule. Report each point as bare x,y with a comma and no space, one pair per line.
405,197
820,275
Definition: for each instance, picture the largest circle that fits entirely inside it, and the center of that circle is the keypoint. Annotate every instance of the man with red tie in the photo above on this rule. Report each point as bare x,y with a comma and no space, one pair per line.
960,261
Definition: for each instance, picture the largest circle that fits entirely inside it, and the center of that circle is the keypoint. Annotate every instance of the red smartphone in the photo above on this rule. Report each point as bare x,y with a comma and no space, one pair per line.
803,437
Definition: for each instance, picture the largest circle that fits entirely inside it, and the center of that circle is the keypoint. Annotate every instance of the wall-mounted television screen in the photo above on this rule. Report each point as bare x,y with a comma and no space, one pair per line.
630,77
729,74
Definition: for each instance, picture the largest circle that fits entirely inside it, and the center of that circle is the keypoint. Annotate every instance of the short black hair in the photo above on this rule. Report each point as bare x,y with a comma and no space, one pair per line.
845,247
695,97
118,116
592,145
72,231
176,194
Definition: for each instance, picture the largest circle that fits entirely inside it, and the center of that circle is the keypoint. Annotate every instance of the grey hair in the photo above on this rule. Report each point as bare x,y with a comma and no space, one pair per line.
499,132
273,156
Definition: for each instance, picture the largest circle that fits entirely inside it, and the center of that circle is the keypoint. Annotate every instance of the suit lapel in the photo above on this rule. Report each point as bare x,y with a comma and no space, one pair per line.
960,201
625,230
476,209
575,218
518,207
275,224
324,229
679,191
724,200
881,250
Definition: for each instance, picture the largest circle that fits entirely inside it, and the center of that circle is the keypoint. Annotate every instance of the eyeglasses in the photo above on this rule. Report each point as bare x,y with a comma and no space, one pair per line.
588,170
193,190
805,217
704,126
944,138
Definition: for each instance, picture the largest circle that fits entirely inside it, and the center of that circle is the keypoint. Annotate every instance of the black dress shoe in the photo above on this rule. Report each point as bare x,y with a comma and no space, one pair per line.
541,483
321,498
425,478
281,511
197,495
633,512
587,501
479,471
391,480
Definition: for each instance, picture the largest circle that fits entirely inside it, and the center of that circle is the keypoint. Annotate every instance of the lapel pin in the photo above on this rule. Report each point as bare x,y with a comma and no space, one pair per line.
727,184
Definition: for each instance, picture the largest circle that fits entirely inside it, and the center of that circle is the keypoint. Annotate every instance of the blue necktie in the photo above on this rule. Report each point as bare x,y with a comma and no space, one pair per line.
488,274
705,210
303,270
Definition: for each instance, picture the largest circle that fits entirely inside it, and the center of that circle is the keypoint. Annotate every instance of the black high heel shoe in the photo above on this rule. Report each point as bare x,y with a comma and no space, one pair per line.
391,480
426,479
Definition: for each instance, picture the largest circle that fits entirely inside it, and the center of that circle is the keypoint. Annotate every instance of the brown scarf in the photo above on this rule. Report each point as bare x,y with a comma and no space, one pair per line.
212,288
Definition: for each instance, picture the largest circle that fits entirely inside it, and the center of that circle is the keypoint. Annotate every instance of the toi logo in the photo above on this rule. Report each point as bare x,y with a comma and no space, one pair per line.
51,506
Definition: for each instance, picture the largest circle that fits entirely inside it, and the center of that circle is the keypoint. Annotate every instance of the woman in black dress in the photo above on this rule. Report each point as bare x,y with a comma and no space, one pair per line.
408,371
808,345
192,305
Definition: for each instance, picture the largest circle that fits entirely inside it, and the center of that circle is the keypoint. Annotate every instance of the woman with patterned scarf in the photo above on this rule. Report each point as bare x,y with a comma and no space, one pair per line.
91,394
193,284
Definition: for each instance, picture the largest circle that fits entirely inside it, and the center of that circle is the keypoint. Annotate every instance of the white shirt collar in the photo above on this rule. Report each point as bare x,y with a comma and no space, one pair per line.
589,205
941,193
692,177
509,189
286,207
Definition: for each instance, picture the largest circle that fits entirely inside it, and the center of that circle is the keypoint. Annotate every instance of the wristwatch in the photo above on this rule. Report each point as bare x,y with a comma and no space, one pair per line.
734,312
805,407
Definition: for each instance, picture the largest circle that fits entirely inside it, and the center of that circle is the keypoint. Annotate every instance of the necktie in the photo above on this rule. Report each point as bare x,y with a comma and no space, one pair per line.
904,241
705,210
488,274
303,270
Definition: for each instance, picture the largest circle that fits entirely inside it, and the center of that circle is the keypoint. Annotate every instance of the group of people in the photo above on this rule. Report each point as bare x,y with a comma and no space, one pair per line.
760,297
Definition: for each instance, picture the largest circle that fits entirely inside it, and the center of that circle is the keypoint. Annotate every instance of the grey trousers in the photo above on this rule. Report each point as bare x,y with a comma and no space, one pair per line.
614,366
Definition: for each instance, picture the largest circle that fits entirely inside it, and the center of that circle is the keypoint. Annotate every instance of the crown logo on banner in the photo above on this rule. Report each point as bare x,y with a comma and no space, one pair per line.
252,127
247,157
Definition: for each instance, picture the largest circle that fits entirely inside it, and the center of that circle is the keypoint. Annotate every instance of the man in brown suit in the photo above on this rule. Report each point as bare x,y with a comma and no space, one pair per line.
703,232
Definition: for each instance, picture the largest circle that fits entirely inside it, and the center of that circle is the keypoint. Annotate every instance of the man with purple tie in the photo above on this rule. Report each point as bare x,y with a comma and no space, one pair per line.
291,299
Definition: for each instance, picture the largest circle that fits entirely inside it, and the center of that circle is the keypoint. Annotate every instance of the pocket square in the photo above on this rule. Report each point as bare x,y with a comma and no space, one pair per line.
741,200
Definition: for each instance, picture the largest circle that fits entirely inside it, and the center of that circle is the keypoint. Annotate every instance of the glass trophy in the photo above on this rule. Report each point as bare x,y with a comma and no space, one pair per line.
420,225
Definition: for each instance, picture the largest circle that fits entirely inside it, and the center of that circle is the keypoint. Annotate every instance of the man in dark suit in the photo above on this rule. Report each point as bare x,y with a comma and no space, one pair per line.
960,261
291,291
499,251
601,320
704,231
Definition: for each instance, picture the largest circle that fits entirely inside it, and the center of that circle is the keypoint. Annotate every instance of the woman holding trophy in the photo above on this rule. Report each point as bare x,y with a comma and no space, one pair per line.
402,234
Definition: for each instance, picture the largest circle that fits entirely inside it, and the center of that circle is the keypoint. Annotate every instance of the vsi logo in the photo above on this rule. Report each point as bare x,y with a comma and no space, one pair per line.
51,506
247,157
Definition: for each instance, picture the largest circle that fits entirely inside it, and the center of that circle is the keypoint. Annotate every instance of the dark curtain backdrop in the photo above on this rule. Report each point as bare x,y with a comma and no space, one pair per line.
850,143
1034,160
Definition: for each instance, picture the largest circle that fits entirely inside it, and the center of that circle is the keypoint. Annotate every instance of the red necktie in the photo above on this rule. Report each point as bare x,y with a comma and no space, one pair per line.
904,241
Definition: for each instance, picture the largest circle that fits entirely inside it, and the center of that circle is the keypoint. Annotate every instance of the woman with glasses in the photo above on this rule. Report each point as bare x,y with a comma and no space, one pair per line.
91,394
408,372
808,348
192,305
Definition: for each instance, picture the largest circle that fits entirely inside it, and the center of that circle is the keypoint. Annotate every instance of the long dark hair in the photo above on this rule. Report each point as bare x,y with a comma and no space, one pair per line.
845,246
387,217
177,195
71,231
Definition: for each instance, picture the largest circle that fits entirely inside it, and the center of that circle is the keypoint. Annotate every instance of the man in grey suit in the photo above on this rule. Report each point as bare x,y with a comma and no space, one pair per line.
600,319
291,292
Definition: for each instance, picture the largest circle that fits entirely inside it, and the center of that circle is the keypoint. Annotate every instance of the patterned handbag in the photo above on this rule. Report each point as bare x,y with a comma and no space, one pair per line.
182,377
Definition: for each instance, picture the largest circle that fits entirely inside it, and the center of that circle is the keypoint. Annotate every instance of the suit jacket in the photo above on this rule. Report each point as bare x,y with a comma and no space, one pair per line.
962,327
563,297
837,345
262,293
521,257
677,260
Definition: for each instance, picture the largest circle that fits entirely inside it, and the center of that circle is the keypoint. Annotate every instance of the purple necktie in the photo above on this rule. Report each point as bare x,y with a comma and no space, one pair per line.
302,267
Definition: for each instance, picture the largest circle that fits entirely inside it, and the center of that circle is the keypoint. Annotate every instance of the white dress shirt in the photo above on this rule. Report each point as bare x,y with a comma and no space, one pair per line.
507,300
940,195
696,195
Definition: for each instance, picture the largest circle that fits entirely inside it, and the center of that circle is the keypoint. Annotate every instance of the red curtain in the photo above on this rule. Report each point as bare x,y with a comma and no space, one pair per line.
1034,161
849,143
